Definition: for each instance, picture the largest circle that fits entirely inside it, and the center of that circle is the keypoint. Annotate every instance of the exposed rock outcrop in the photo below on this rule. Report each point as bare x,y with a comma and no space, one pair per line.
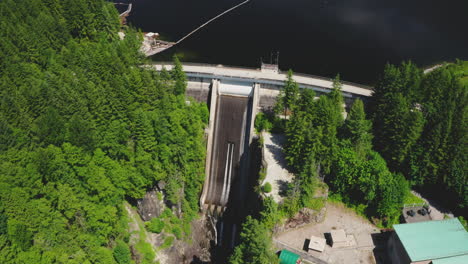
150,206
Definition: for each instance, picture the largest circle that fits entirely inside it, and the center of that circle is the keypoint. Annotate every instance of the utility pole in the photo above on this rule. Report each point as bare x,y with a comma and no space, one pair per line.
277,58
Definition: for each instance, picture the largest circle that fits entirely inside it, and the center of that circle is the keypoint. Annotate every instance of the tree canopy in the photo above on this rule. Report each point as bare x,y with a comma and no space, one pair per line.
420,128
82,128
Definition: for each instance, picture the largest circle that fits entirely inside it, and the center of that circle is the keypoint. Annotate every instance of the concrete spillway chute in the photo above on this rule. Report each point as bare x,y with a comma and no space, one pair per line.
228,142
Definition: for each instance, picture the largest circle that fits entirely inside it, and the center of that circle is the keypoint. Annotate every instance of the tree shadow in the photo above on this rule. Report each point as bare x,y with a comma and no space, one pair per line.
197,260
283,187
278,139
380,250
277,154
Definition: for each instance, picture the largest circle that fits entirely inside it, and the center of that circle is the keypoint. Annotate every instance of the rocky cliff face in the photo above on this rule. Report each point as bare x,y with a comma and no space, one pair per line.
150,206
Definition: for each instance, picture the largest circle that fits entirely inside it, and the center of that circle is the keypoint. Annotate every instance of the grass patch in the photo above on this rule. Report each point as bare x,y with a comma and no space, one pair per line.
359,209
412,199
316,204
169,223
146,252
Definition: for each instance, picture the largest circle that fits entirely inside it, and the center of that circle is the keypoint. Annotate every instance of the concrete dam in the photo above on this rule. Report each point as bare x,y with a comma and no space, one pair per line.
234,96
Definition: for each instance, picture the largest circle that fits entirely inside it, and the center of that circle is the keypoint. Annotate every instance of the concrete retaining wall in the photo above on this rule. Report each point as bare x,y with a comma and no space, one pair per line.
211,124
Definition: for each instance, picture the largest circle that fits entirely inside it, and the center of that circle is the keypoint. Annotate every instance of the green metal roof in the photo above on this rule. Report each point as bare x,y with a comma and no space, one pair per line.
433,240
452,260
287,257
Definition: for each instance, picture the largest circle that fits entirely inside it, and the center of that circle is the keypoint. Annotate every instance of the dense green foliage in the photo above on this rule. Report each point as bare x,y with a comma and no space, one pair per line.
169,223
288,96
155,225
122,253
82,127
418,124
262,122
420,128
322,144
255,245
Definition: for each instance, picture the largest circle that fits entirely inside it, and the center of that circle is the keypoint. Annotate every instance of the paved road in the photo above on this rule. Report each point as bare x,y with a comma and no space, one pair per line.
268,76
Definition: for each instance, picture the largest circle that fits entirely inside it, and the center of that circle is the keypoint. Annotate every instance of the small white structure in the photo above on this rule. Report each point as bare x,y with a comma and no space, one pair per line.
339,238
152,35
317,243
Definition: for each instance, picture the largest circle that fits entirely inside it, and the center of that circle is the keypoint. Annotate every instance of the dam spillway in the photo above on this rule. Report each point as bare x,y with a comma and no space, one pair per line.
228,147
234,95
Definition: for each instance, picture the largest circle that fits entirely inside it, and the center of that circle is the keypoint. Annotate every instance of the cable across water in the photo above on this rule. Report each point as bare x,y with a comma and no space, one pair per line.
211,20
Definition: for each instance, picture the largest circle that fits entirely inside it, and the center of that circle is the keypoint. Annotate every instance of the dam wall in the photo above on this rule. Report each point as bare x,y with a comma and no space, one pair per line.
200,78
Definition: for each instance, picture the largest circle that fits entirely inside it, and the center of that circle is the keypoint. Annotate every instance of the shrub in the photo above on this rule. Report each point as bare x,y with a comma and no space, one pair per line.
262,174
177,232
267,187
167,242
156,225
315,204
262,123
122,253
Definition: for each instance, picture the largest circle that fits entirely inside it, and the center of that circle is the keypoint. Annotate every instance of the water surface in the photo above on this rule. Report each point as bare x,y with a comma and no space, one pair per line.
323,37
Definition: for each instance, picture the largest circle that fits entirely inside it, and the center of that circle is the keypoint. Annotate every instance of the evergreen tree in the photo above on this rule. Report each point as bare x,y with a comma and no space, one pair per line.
337,101
397,121
288,96
358,130
255,245
179,76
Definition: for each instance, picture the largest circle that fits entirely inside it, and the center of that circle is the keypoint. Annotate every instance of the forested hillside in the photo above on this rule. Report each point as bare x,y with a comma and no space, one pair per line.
420,128
321,143
413,135
82,128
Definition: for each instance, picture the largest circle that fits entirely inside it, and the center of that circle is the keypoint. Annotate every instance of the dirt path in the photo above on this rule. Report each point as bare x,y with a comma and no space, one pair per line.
136,229
277,174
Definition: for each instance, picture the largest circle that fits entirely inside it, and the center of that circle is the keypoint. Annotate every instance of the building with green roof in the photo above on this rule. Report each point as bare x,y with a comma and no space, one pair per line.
436,242
288,257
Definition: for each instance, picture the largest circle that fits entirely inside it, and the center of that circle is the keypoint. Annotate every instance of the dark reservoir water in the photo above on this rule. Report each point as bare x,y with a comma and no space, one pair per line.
323,37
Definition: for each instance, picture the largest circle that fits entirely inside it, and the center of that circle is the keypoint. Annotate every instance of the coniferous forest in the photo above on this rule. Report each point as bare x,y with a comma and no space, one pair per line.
411,135
82,128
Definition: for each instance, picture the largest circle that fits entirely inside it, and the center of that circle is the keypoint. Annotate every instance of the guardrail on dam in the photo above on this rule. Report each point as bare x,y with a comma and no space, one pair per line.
234,95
